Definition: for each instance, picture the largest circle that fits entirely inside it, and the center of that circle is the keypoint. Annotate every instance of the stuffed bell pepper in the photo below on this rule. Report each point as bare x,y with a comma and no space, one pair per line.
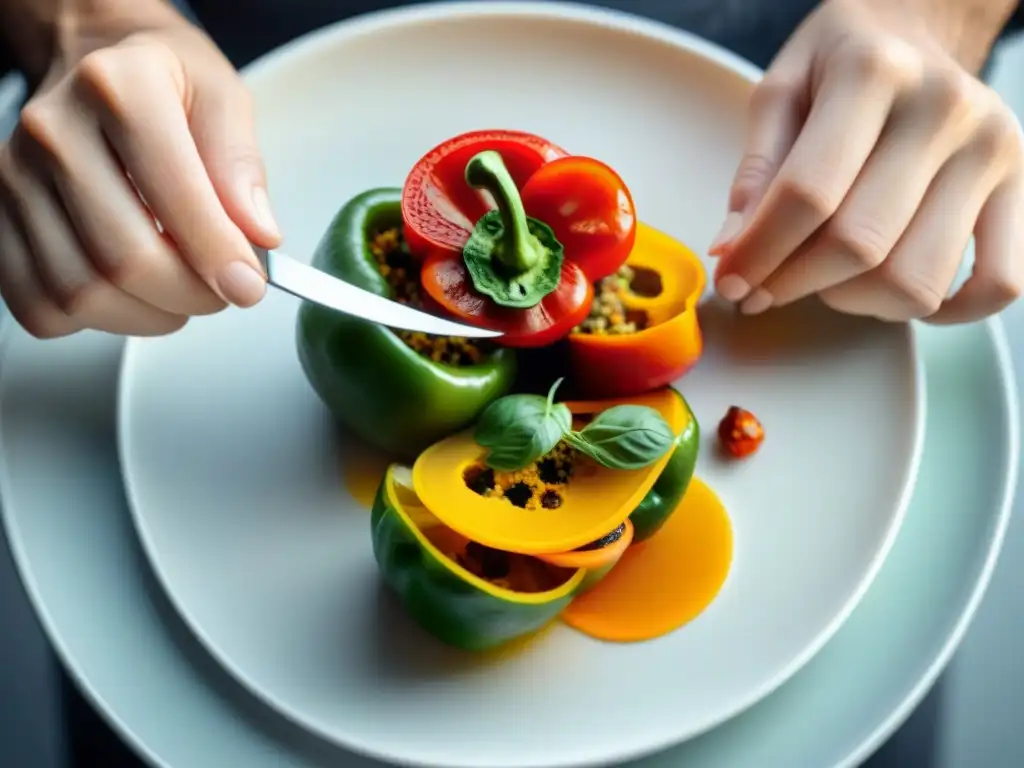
513,232
519,236
496,529
396,390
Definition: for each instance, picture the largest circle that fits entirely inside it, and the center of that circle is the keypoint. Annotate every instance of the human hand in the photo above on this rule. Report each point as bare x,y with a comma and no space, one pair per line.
872,155
133,185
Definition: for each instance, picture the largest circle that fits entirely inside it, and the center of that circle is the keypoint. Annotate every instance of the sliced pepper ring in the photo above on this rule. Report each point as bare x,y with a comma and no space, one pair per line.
593,504
623,365
448,601
596,562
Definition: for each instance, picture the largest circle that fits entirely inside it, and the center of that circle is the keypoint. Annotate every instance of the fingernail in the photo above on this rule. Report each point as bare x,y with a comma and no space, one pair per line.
757,302
730,228
241,284
264,213
733,288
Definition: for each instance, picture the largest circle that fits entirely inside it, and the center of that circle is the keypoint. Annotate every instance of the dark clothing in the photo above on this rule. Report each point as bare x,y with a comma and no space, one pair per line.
755,29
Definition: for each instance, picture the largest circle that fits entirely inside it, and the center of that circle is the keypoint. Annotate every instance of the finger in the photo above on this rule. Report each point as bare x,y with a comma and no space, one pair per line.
881,204
914,280
998,275
64,273
853,101
778,107
139,104
22,291
225,134
116,230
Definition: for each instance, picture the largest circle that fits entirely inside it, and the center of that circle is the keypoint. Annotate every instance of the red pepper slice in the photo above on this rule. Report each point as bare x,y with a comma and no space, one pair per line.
583,201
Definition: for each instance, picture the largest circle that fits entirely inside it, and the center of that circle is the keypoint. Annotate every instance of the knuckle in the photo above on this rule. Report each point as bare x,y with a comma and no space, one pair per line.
40,124
122,267
878,60
809,195
951,95
38,320
770,94
1004,288
753,174
98,77
99,69
246,160
915,293
863,241
998,137
72,298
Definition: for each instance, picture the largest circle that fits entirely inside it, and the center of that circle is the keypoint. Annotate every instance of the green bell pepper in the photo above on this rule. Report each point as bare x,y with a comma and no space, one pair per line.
449,602
371,381
670,487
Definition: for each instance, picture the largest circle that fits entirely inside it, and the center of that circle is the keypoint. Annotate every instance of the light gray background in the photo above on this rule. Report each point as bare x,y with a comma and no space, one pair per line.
975,723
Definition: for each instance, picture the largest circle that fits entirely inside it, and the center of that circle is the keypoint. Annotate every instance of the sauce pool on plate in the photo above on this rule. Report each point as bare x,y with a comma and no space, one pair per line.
664,582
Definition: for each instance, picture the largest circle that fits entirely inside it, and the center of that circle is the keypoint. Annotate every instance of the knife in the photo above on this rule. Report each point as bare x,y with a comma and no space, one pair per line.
311,284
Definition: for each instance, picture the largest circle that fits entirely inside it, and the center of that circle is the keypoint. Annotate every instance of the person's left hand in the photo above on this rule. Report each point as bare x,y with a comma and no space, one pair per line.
873,154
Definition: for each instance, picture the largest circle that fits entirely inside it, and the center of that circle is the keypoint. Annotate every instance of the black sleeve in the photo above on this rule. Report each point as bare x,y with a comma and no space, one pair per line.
1016,22
5,60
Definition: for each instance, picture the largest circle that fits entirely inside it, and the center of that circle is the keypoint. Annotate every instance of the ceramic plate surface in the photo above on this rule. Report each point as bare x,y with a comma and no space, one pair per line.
234,472
112,626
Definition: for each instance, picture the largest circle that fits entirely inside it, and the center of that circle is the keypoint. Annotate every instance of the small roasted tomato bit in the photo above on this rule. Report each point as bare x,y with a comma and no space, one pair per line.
400,269
609,314
740,433
538,486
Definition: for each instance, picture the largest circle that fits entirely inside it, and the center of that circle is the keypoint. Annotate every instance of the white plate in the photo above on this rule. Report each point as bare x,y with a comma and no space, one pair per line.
67,522
233,472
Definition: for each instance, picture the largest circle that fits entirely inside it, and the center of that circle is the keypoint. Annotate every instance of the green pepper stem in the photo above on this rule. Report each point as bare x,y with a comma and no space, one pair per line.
519,249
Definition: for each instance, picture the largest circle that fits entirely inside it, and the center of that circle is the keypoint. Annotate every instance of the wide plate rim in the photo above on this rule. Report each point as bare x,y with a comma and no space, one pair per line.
314,44
1005,378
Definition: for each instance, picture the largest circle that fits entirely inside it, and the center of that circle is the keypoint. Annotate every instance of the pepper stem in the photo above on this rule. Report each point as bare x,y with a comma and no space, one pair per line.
518,250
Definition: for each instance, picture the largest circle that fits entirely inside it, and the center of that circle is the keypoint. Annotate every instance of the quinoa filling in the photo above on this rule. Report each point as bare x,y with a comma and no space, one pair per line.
610,314
538,486
402,273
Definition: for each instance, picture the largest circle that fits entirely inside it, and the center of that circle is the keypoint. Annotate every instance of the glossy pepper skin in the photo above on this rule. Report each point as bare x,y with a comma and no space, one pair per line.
385,393
570,194
670,487
447,603
617,366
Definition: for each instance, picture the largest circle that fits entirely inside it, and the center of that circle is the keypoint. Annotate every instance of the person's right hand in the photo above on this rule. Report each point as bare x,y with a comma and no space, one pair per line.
133,186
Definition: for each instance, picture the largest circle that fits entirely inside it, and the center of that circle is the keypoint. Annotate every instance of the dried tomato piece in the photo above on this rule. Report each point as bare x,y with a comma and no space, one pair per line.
740,433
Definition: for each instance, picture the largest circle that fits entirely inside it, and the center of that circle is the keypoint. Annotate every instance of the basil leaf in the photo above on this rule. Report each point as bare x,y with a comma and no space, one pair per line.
625,437
517,430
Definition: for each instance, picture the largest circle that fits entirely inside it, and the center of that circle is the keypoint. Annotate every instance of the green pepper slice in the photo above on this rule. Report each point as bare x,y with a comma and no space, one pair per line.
453,604
383,391
670,487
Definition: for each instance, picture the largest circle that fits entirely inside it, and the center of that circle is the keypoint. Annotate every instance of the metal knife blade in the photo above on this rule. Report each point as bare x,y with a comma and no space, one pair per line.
314,285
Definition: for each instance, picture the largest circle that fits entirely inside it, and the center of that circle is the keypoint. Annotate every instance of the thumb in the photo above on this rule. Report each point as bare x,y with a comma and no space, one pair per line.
223,127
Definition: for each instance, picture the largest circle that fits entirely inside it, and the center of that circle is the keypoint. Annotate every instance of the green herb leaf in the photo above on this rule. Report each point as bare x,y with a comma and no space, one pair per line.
492,278
625,437
518,430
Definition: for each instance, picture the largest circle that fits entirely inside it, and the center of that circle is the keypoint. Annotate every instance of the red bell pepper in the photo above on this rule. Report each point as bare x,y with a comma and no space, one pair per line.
526,267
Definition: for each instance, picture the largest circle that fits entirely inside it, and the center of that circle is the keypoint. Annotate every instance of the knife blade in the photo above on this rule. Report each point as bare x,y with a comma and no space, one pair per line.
311,284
